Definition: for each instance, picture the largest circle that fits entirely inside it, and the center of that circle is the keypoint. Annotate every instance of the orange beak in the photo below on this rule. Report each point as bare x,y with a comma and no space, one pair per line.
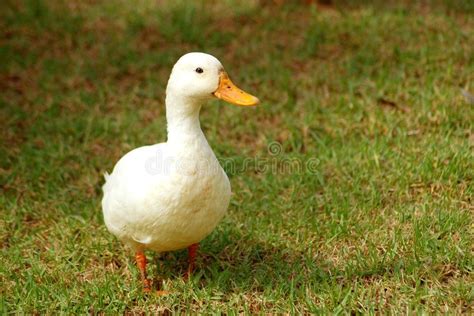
229,92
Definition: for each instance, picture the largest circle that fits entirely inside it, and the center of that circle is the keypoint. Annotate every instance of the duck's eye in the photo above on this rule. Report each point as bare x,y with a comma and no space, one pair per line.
199,70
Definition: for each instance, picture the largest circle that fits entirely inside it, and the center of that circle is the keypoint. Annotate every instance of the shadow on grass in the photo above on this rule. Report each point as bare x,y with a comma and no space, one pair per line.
231,261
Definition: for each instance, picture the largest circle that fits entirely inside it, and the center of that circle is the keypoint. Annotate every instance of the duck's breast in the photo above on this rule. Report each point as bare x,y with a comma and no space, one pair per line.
162,202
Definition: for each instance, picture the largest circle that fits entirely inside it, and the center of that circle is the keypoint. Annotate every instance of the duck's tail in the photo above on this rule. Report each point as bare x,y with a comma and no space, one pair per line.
106,177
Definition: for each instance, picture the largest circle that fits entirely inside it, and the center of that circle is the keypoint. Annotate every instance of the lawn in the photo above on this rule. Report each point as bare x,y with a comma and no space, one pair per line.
352,181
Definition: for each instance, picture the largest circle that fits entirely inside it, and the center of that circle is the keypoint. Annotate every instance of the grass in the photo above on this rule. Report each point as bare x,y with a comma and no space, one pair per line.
381,223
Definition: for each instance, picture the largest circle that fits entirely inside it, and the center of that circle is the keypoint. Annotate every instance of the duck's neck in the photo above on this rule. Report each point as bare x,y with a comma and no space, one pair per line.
182,115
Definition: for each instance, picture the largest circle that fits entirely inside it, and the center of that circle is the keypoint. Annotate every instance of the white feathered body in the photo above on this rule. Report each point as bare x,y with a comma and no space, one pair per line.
166,196
171,195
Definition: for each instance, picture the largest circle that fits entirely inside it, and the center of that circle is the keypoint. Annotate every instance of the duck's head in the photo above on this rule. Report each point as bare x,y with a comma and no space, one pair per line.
201,76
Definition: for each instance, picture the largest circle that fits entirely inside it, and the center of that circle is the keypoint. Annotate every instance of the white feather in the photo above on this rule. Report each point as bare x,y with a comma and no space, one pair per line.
171,195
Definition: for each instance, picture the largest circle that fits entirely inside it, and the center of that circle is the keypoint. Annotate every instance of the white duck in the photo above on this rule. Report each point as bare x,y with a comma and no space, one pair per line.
171,195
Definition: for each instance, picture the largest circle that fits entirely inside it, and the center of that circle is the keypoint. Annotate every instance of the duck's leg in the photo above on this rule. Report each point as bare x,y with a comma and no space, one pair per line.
141,263
192,251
